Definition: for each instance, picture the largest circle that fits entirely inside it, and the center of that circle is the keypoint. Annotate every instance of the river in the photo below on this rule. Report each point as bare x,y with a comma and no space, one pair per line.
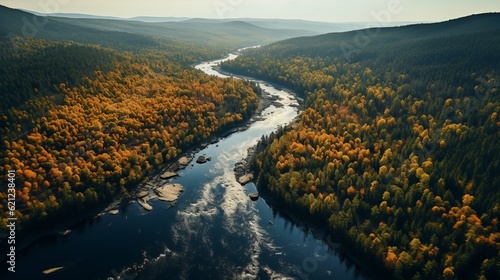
214,232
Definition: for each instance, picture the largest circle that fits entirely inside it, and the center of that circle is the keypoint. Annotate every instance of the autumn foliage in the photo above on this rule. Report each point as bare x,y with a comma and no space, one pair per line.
110,131
399,158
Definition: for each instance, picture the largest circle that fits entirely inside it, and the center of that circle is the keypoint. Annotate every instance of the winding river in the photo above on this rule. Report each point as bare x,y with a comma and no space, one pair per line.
214,232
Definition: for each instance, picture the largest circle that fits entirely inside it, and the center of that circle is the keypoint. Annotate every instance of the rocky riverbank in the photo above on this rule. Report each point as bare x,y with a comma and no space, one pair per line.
148,190
157,187
242,169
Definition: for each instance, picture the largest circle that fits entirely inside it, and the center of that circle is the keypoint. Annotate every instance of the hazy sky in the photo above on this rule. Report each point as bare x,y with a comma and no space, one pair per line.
320,10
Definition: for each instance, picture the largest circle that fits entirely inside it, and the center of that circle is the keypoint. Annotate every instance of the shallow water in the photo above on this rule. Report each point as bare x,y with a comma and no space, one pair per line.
214,232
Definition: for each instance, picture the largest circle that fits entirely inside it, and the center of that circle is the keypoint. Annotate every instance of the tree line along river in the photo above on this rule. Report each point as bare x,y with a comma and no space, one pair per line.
214,231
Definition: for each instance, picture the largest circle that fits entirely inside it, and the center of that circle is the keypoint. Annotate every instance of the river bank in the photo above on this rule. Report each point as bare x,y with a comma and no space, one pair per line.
146,189
68,224
336,242
215,230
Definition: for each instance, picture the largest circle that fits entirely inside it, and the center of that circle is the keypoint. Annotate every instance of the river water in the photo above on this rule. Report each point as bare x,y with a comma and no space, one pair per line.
214,231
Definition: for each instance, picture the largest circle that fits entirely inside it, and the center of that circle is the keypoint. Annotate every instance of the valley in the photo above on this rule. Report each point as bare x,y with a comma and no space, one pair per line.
369,159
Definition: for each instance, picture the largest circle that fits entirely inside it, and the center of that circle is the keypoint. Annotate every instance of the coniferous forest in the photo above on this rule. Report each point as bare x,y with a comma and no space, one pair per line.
396,152
83,122
397,149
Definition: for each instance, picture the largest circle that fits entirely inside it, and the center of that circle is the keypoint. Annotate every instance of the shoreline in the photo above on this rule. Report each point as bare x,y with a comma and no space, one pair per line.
340,245
322,233
300,100
72,223
335,243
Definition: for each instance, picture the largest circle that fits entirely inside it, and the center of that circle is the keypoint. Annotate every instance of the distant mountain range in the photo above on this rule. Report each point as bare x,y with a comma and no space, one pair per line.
133,32
297,24
87,16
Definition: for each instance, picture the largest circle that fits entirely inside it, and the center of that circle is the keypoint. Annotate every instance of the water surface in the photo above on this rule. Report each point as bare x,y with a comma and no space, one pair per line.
214,232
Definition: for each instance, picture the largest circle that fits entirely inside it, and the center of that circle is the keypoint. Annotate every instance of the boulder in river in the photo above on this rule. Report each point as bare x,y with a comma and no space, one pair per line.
168,175
52,270
184,161
201,160
254,196
245,178
66,232
144,204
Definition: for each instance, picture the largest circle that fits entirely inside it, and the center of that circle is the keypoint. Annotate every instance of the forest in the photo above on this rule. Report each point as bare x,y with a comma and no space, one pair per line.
83,122
397,150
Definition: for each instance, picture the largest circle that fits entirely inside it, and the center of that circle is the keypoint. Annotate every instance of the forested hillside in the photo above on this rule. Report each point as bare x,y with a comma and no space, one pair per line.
397,151
130,35
83,121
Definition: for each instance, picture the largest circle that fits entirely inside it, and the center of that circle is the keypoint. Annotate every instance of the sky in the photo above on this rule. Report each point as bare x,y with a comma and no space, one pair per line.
317,10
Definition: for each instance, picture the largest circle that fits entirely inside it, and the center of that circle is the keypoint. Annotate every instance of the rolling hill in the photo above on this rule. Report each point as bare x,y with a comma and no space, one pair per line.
182,42
397,150
127,33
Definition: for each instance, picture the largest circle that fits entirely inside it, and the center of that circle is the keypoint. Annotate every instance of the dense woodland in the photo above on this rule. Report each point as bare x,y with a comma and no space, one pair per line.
396,152
83,122
397,149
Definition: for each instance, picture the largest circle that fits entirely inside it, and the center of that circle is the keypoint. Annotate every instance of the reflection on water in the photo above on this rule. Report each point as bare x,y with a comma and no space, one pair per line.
214,232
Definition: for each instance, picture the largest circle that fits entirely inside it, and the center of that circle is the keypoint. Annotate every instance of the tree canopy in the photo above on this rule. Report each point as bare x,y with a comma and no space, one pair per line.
397,149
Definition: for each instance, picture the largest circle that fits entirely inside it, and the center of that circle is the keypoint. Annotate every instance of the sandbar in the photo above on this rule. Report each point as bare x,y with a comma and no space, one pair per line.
169,192
144,204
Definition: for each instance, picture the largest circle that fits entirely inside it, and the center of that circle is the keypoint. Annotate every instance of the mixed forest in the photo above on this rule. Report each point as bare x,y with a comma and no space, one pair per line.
85,117
397,151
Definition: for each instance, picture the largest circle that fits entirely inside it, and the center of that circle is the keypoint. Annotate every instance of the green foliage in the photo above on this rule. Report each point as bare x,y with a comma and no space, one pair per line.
31,69
398,147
